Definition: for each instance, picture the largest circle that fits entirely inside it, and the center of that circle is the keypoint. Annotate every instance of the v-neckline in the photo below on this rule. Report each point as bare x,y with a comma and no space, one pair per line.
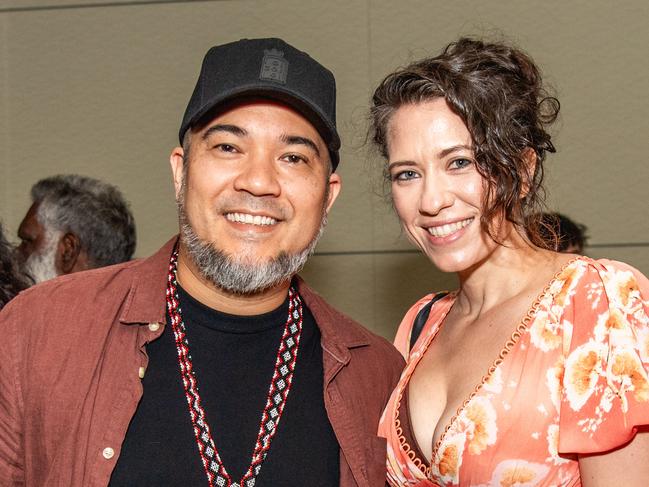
510,343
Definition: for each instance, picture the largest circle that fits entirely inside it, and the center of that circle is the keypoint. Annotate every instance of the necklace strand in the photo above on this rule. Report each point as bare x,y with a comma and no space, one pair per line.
278,391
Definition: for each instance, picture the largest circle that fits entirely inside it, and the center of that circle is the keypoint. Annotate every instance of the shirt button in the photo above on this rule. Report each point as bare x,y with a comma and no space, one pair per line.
154,326
141,371
108,453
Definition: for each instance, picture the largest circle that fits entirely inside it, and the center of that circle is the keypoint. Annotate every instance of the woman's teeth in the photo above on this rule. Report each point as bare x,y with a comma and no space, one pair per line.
449,228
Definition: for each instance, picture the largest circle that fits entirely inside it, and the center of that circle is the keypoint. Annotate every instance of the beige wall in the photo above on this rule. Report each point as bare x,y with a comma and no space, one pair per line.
99,88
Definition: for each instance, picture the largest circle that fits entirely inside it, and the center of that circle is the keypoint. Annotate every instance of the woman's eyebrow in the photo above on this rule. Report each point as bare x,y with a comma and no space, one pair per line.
399,164
455,148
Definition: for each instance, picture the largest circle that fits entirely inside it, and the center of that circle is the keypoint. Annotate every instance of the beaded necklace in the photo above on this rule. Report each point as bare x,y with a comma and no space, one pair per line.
280,386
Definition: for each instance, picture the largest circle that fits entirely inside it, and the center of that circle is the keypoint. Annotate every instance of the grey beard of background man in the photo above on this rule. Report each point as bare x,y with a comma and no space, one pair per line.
239,275
41,265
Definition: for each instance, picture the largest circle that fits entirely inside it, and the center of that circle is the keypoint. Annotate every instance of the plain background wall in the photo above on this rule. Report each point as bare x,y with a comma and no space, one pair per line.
99,88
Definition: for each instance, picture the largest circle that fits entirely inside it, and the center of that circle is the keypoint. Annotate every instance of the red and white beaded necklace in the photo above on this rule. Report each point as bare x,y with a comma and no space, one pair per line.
280,386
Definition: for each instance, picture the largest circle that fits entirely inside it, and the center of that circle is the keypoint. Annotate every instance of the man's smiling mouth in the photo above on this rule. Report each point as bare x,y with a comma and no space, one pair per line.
249,219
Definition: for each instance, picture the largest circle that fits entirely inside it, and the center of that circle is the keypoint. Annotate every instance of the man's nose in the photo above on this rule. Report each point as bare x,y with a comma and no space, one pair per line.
259,175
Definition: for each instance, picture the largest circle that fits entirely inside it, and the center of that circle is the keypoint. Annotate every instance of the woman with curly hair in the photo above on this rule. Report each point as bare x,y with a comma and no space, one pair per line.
535,371
11,280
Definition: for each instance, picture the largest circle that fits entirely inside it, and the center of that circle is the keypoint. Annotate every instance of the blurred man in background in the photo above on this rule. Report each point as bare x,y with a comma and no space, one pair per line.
74,223
567,235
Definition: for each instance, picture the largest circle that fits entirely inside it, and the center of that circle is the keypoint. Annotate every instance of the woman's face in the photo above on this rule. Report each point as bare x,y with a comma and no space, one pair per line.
436,188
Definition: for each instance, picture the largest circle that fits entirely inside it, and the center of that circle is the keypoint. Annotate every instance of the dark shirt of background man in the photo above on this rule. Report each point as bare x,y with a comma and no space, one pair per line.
562,233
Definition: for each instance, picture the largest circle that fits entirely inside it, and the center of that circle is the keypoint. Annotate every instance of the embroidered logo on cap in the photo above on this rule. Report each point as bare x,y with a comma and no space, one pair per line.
273,66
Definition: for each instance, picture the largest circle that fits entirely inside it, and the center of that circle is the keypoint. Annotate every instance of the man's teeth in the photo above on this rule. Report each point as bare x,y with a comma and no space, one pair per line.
250,219
449,228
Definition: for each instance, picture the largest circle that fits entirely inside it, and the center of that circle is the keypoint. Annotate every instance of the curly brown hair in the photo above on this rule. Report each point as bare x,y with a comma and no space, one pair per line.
498,92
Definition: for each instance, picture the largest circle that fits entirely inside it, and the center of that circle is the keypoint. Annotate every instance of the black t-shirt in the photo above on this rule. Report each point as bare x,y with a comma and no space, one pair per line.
234,359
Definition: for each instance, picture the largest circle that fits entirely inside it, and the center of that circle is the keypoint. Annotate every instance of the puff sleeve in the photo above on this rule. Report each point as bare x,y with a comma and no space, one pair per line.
605,386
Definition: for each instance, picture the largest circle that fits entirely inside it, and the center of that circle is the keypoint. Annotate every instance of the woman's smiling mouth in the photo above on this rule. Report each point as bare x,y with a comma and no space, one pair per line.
441,231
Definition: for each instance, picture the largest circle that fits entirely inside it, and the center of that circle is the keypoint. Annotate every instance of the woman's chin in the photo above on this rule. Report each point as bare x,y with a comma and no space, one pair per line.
458,261
448,264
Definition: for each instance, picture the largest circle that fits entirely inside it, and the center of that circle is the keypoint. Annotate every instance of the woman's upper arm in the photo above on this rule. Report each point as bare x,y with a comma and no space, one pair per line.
626,466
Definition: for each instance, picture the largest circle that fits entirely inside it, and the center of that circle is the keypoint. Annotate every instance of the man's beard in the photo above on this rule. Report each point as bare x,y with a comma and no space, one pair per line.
240,274
40,266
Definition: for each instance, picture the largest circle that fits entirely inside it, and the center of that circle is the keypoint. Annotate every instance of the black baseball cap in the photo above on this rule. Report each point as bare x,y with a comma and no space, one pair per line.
272,69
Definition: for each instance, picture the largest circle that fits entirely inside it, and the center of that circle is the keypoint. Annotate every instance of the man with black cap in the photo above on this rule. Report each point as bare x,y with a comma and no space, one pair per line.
211,362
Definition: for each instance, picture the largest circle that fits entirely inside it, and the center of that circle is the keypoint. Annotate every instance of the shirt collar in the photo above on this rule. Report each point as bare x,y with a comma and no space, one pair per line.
339,332
146,303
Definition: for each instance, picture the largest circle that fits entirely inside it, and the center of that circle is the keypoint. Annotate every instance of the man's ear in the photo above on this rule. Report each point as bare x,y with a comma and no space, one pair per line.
177,161
335,184
530,161
70,258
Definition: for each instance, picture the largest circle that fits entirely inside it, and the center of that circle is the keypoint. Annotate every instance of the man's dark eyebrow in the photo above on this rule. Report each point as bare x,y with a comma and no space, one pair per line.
231,129
298,140
455,148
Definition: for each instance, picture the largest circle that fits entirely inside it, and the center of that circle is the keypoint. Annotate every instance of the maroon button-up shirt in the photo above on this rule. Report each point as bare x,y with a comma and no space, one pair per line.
73,350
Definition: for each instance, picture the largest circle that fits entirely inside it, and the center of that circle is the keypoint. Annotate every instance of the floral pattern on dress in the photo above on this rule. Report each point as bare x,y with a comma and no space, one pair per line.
554,382
495,382
581,375
544,332
552,439
449,458
518,473
572,379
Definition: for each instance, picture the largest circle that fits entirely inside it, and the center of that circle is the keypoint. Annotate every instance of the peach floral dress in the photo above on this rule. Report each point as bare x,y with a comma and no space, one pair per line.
572,378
